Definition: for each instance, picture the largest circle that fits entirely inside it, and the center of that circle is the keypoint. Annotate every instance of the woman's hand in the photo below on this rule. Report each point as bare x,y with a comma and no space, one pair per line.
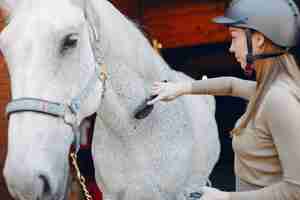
167,91
209,193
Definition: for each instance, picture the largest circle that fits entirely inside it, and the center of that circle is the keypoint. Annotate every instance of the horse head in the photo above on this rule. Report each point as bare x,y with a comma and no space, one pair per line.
55,84
52,48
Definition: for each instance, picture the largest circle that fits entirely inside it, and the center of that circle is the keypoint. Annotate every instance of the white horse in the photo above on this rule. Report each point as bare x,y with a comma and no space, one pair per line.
52,48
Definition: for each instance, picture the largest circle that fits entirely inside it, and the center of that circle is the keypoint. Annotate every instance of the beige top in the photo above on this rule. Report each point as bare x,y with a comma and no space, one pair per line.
267,152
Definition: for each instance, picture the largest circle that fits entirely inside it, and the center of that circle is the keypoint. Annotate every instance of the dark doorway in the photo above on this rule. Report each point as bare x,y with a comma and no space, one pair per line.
214,61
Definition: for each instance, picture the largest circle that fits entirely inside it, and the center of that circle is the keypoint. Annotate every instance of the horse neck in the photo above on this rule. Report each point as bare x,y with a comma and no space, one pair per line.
132,66
125,90
123,42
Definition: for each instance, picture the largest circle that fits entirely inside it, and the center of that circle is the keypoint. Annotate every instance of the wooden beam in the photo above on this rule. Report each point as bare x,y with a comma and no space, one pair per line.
180,23
4,98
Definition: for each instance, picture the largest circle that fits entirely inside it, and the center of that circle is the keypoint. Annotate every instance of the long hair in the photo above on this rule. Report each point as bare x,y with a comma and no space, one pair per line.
267,71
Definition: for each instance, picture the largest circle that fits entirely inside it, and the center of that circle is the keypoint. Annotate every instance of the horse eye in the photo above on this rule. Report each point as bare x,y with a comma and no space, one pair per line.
69,42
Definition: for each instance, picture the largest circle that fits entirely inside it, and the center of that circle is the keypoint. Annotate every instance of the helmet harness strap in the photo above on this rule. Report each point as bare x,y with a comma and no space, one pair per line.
250,57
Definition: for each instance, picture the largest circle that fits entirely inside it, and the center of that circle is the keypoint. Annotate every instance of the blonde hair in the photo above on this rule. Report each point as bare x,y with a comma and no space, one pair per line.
267,70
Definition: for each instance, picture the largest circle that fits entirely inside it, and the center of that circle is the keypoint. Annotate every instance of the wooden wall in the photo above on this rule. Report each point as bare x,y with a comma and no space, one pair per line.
177,23
4,98
181,23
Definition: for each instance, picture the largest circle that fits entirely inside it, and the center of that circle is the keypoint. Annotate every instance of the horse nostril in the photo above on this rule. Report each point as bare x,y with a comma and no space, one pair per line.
44,185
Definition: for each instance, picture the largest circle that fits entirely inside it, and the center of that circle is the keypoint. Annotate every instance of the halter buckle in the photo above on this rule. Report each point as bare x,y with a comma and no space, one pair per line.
70,117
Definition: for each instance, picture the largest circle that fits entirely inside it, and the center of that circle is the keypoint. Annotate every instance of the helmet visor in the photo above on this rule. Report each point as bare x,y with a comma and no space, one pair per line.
227,21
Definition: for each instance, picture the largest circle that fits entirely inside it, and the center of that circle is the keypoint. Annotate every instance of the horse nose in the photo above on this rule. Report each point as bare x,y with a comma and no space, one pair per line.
28,184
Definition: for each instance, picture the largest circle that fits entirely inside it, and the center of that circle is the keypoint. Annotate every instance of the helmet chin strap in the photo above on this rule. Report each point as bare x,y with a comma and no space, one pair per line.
250,58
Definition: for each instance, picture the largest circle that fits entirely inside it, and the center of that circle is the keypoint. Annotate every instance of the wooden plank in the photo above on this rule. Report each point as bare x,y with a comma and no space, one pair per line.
184,23
177,23
4,98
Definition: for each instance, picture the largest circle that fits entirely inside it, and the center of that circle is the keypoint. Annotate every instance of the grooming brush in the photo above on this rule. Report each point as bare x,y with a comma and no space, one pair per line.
195,195
144,109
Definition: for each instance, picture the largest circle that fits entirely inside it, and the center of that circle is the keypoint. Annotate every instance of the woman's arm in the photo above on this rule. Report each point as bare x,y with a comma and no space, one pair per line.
225,86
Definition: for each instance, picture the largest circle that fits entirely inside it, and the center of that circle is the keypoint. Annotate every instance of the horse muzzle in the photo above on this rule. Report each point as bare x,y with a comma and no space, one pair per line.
32,185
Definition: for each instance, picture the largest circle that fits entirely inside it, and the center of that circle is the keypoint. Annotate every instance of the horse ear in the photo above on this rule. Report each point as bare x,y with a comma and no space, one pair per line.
91,16
86,7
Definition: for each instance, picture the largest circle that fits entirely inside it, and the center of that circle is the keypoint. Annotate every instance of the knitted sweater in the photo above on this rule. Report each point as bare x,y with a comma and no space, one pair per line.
267,152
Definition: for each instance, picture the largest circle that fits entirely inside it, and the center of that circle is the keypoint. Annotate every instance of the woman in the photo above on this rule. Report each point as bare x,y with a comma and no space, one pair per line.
266,140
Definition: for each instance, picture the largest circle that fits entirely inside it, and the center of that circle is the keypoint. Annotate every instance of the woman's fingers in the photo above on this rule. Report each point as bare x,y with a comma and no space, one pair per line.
155,91
153,101
157,88
162,90
204,189
157,83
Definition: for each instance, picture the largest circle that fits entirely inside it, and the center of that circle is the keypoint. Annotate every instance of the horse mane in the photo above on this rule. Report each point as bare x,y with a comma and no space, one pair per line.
121,39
